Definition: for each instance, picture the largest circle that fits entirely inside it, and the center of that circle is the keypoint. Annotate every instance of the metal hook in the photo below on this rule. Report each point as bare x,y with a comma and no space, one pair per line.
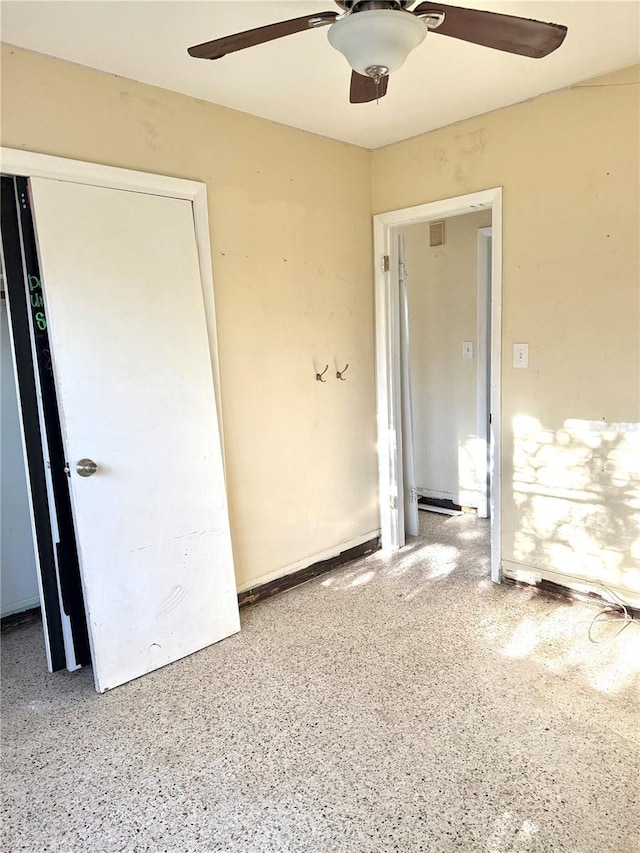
339,373
320,375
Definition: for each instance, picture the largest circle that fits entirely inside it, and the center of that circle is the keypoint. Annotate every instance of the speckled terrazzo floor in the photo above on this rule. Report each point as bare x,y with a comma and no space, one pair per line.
401,704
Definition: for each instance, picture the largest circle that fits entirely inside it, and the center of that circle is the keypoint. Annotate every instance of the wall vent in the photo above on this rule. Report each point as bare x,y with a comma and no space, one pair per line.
436,233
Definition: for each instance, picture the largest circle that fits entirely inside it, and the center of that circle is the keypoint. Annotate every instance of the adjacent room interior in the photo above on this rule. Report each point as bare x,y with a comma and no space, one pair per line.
450,437
357,564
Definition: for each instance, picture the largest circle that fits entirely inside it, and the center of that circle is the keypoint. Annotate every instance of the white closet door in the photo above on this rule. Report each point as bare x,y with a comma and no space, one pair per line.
132,366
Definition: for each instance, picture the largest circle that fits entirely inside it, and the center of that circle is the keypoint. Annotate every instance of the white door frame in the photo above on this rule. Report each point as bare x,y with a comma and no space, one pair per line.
28,164
409,490
388,380
483,347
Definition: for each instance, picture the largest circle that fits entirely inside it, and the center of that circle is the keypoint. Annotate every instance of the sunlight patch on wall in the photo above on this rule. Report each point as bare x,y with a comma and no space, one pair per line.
577,490
471,460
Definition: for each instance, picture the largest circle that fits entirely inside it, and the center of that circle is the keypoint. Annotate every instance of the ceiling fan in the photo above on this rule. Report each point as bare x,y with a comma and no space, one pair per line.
376,36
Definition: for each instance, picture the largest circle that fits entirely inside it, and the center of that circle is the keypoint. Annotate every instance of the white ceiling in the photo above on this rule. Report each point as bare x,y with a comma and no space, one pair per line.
301,80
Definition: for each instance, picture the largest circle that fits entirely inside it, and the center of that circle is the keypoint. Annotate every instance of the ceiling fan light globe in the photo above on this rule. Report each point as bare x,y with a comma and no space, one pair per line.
379,37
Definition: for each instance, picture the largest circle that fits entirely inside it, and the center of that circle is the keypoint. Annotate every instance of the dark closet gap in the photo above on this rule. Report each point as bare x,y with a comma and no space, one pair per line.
28,316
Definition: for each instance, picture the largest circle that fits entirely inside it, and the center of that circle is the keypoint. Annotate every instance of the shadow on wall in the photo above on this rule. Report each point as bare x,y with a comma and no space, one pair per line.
577,494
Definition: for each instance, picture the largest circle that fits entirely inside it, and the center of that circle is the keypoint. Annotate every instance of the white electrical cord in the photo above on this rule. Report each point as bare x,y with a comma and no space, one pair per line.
627,619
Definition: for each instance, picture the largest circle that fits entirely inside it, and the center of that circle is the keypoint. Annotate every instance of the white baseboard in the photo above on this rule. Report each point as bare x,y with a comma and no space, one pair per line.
439,509
534,574
19,606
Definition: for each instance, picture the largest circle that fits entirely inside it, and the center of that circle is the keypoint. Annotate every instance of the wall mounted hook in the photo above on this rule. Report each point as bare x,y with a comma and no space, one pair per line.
340,373
320,375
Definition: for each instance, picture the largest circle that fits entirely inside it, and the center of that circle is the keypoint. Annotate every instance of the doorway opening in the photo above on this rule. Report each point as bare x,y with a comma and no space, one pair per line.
479,454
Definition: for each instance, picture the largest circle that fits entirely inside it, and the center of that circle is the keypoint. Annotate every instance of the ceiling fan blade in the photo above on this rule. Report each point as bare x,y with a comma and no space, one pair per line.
502,32
364,89
250,38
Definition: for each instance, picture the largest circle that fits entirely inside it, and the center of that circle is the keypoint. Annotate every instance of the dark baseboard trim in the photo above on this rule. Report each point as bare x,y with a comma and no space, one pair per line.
266,590
442,503
549,589
25,617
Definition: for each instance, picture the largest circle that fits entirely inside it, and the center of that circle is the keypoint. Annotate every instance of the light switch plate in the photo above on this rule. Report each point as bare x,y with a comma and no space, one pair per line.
467,349
521,355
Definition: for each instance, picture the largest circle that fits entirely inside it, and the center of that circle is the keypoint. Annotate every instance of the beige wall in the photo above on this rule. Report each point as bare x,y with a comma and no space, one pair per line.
291,241
568,163
443,294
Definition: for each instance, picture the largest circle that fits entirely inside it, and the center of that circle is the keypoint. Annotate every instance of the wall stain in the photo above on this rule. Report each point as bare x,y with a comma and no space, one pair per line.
146,113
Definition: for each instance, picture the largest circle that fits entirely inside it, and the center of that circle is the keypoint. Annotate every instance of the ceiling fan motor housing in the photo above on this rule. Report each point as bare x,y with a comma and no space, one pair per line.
372,4
375,38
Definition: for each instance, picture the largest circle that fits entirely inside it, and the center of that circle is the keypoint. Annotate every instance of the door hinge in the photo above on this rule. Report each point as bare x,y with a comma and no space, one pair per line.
385,263
413,496
402,272
393,502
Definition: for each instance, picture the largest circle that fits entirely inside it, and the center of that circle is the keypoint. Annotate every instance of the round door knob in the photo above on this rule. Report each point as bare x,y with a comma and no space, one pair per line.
86,467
